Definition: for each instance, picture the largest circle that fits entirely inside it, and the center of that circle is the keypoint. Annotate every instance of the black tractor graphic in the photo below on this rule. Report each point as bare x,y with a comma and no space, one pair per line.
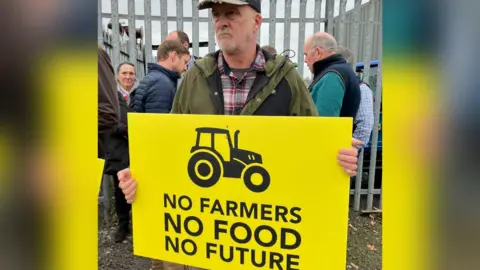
207,165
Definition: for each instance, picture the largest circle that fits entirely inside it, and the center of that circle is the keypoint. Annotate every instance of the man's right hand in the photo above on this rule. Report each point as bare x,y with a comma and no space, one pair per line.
127,184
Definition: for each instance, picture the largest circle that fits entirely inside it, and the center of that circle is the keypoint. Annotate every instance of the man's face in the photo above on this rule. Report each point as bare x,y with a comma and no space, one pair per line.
180,63
126,76
312,55
234,25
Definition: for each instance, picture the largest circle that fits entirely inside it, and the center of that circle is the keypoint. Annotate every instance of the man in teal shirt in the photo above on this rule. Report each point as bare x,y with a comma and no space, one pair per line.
335,89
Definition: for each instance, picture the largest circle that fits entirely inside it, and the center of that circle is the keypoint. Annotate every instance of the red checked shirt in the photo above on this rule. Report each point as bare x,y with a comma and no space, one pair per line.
235,90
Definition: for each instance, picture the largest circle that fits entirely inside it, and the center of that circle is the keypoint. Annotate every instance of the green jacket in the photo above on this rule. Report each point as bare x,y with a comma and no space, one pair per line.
278,91
328,94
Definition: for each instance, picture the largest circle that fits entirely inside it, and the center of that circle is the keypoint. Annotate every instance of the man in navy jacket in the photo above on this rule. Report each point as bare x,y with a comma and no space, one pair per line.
157,89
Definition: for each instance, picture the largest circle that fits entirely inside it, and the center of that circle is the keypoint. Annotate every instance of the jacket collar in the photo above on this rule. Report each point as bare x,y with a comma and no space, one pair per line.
320,66
171,74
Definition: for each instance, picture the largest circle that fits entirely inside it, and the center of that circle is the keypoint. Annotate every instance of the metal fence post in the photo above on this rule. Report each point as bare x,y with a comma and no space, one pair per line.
286,25
317,16
358,182
376,109
355,33
330,5
301,36
211,34
367,59
148,34
116,34
163,20
180,14
273,23
132,35
100,23
341,27
195,28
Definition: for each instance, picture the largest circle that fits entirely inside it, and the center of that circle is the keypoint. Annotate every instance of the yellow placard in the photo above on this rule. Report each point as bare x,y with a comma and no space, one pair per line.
243,192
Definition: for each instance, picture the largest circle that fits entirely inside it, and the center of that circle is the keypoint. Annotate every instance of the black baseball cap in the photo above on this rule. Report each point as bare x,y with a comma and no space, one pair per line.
255,4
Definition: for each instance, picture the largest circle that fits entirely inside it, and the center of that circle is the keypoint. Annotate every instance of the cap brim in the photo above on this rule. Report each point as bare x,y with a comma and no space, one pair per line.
209,3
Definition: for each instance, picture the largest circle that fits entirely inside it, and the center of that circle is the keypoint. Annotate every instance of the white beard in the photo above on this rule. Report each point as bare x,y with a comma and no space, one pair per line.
228,49
232,47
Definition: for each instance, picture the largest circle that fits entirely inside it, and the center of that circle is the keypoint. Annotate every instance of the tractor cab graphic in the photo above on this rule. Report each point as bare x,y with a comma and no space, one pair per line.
207,165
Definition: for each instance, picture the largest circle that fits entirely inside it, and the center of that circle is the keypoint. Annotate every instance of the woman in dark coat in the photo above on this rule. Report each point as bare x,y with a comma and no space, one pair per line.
117,159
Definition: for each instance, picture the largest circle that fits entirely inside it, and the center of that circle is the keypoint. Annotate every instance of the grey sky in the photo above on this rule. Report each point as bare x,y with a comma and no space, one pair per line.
264,31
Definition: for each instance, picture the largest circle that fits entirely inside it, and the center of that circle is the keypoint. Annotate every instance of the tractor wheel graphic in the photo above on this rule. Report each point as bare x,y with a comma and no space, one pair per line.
204,169
252,170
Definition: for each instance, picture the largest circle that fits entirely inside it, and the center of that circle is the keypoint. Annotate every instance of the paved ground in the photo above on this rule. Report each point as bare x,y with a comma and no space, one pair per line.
364,249
112,256
364,246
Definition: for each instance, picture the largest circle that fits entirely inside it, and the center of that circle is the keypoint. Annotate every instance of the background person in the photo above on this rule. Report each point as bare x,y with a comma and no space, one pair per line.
117,155
126,78
335,88
156,91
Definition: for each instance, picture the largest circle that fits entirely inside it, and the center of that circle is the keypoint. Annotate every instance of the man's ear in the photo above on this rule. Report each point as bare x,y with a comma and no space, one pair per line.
258,21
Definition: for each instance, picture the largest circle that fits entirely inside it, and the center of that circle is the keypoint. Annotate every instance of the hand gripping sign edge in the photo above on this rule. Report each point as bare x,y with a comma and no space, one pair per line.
206,165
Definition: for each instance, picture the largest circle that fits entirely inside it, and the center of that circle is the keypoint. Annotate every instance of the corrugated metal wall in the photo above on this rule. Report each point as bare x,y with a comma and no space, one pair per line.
358,40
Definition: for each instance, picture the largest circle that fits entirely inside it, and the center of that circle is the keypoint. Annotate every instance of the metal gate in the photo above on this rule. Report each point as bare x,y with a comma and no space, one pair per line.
356,24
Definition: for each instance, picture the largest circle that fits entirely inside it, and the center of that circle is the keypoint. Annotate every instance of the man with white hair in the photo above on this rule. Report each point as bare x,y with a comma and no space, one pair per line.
335,88
240,79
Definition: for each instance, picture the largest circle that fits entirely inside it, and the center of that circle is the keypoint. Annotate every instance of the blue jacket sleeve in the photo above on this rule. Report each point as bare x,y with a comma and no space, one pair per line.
137,103
159,98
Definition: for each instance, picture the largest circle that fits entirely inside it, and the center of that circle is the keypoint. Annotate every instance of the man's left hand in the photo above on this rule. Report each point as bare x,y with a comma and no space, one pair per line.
348,158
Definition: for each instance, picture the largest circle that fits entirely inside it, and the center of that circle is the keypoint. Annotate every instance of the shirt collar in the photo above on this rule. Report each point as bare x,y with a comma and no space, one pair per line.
123,91
258,63
190,63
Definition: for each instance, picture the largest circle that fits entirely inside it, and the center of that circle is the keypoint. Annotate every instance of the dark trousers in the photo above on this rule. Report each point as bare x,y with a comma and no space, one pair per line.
121,206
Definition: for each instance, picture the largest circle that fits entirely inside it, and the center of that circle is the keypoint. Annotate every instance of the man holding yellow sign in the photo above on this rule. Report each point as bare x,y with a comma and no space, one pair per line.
189,212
